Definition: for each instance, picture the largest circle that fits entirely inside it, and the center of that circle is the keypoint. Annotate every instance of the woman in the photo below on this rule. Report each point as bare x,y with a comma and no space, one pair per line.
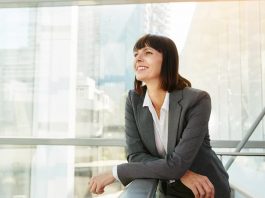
166,126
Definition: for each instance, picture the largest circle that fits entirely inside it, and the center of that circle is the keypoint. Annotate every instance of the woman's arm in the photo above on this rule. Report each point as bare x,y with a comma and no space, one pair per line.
199,184
177,163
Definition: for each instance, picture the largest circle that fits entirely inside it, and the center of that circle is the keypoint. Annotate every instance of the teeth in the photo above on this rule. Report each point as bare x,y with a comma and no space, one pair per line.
141,68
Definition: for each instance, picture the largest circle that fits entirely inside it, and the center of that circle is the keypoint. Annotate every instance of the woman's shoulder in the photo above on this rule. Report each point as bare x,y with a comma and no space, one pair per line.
135,97
133,94
191,95
187,94
189,91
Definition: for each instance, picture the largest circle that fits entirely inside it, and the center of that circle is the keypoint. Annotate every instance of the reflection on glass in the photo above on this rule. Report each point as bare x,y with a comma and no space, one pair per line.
55,171
65,72
15,171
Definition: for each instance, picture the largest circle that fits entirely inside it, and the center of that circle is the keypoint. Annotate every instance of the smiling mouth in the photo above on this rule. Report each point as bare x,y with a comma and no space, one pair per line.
141,68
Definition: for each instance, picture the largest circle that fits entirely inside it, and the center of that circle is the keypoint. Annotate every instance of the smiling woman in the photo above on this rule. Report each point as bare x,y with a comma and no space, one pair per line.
65,71
147,65
166,126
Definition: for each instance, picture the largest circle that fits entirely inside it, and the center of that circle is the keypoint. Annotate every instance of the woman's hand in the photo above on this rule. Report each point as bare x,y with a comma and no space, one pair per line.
98,183
200,185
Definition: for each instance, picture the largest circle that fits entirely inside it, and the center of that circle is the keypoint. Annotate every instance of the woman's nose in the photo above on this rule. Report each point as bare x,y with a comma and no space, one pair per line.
139,58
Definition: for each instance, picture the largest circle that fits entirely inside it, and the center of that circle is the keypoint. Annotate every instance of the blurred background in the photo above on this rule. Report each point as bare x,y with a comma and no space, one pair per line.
66,69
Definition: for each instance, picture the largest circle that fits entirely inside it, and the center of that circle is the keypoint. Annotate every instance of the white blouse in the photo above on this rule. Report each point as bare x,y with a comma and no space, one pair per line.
160,127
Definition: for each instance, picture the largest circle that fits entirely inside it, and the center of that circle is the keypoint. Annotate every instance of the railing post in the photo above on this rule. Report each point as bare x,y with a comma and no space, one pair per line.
246,138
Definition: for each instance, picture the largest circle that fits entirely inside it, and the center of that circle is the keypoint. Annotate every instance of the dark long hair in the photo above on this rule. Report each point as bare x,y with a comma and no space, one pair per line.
170,78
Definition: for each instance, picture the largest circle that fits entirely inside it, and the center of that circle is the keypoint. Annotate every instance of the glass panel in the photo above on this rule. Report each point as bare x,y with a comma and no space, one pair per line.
17,65
248,169
65,71
64,171
15,171
55,171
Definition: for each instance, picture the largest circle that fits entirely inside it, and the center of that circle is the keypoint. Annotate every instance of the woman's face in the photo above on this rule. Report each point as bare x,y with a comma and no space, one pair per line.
147,65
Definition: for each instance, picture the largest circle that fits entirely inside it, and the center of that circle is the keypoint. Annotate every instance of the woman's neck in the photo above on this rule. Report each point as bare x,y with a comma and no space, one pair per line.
157,96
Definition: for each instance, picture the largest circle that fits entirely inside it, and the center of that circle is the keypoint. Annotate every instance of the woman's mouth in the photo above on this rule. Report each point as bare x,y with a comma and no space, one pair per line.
141,68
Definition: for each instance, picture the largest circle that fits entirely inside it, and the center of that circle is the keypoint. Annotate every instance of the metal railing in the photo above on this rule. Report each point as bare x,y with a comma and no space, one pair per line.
139,188
108,142
245,138
239,145
146,188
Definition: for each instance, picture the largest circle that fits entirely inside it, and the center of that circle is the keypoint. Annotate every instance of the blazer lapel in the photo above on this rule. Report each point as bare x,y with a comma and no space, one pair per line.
173,119
146,127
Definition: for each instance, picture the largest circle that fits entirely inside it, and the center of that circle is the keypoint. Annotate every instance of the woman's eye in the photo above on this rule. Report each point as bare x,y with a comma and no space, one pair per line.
135,54
148,52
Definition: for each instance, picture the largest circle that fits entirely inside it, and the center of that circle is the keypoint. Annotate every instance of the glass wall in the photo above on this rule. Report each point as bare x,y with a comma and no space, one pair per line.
55,171
65,73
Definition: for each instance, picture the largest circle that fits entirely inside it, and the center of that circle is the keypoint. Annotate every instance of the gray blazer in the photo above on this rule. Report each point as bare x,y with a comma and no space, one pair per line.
188,141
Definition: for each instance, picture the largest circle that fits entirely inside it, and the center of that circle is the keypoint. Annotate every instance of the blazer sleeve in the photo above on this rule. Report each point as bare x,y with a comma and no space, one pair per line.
177,163
136,151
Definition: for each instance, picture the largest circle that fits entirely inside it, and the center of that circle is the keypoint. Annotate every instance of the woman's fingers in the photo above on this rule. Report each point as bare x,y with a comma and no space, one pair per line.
200,185
195,191
201,190
99,189
93,188
98,183
205,187
209,188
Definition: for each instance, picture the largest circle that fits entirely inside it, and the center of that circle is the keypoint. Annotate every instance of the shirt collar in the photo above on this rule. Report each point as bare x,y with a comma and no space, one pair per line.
148,102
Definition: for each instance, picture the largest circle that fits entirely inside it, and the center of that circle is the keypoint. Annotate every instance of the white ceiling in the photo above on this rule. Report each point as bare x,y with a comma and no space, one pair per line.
34,3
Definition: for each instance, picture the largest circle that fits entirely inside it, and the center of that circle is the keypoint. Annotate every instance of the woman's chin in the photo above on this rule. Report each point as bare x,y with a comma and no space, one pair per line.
139,78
